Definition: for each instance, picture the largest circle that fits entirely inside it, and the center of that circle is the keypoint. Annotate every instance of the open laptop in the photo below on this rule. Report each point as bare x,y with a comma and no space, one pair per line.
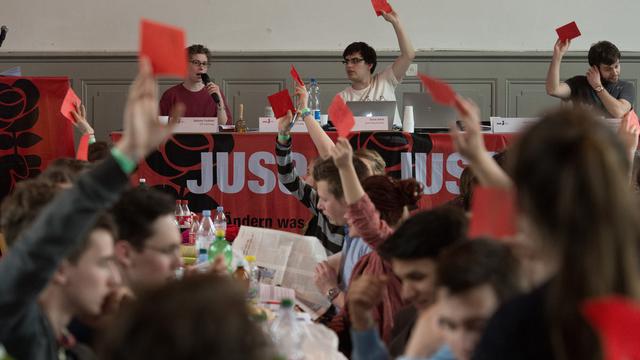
374,108
427,114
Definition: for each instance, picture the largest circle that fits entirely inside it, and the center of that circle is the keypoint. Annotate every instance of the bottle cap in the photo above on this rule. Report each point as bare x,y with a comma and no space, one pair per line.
286,303
220,209
206,212
250,258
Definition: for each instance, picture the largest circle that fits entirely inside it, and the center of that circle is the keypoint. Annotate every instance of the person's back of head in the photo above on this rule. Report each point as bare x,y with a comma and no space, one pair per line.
367,52
474,278
603,53
64,171
373,159
99,150
201,317
571,174
392,198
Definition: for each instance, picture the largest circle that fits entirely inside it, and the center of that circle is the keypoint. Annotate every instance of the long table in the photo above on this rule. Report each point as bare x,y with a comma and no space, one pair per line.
238,171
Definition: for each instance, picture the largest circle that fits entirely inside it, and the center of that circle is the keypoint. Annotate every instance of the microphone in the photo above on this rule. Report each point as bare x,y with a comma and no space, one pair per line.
206,80
3,33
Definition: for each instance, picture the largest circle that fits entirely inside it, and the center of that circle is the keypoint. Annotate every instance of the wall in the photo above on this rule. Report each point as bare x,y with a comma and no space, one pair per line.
290,25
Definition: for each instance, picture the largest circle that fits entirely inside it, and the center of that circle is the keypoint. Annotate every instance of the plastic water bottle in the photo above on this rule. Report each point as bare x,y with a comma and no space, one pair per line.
314,99
253,294
186,214
220,246
193,231
286,332
205,231
179,214
202,256
220,221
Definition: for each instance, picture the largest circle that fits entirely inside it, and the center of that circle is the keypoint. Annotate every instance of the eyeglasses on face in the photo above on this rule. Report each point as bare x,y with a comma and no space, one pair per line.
199,63
354,61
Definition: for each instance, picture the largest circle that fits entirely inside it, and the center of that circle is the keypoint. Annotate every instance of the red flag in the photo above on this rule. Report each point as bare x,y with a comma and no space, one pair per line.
493,213
617,321
281,102
296,76
69,103
341,116
164,45
380,6
568,32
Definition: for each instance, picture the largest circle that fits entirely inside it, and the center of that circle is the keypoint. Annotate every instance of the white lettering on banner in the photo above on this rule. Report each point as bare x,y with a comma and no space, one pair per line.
454,169
265,185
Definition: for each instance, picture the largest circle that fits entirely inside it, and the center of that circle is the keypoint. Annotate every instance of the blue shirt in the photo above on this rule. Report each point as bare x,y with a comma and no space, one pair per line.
352,250
368,345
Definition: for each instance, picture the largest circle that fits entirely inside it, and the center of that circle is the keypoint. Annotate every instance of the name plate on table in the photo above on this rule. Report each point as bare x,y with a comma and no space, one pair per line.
500,125
371,123
194,124
270,124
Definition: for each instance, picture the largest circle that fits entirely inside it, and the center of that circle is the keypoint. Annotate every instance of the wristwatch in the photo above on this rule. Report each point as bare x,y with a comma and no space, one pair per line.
333,293
598,89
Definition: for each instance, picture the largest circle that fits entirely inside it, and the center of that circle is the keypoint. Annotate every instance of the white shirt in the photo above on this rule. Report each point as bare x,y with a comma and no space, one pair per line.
381,88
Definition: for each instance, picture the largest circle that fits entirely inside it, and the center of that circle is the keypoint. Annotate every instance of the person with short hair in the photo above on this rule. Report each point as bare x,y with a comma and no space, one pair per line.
601,87
360,61
196,95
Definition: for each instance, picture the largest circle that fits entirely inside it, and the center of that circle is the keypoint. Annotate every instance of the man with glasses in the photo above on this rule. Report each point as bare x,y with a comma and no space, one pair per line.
148,248
360,62
196,95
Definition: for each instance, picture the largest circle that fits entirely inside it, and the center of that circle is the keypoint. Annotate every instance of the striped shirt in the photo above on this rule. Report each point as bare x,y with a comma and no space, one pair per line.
331,236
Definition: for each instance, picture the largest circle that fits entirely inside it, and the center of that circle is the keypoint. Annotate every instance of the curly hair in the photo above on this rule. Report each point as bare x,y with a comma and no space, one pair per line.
390,196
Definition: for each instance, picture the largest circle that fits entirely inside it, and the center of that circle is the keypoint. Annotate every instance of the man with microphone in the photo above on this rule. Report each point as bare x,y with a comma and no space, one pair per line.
201,97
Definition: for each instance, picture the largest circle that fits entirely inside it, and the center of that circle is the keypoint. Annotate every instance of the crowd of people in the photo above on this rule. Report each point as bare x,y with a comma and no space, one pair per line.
90,268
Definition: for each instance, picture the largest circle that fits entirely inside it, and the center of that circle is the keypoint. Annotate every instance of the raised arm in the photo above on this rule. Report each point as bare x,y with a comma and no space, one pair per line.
320,138
470,144
553,85
407,52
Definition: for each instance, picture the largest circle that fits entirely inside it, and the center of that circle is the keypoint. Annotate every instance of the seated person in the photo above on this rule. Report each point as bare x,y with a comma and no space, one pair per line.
196,95
601,88
40,257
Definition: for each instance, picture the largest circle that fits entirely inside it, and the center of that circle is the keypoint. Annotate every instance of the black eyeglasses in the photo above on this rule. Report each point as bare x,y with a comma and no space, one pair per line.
354,61
199,63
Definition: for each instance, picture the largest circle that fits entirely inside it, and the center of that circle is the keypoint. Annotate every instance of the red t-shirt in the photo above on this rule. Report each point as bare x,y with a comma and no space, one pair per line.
198,103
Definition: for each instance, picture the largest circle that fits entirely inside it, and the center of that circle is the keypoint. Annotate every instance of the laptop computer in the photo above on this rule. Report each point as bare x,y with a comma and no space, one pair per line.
427,114
374,108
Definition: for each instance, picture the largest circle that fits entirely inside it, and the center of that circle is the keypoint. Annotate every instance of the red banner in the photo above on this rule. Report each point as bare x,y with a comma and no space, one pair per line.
238,171
32,130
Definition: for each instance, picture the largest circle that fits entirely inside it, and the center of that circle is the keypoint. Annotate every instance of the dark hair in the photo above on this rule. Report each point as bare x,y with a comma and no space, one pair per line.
571,174
98,150
390,196
136,211
603,52
201,317
426,234
367,52
326,170
104,222
21,208
198,49
470,264
64,170
378,165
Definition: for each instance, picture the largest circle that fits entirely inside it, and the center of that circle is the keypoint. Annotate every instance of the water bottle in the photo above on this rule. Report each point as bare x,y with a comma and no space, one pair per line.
193,231
220,221
179,215
314,99
220,246
186,214
286,332
253,294
202,256
205,231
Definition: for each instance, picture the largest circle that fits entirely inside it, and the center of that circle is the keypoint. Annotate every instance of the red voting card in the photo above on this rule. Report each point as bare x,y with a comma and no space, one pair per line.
617,321
568,32
381,6
83,148
441,92
296,76
165,46
69,103
493,213
341,116
633,118
281,102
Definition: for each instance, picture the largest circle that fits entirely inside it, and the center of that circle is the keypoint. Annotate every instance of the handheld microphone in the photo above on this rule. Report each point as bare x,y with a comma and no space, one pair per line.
3,33
206,80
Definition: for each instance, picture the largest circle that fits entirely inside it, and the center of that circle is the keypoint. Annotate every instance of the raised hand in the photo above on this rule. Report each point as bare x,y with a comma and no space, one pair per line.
593,76
303,97
561,47
80,119
469,143
342,153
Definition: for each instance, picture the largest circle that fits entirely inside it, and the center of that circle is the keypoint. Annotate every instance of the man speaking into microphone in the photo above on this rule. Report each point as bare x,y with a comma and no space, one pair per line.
201,98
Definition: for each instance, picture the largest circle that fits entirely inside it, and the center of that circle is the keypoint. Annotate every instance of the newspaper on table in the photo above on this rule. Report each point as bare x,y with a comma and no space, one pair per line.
289,259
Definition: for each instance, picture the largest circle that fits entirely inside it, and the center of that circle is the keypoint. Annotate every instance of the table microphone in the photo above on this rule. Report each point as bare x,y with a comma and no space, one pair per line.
3,33
206,80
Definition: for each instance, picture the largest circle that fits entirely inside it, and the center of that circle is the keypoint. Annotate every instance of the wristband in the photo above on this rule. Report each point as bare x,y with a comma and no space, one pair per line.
305,112
284,137
126,164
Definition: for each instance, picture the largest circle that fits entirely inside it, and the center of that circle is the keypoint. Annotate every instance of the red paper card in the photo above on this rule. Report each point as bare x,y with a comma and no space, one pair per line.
381,6
341,116
69,103
165,46
617,321
83,148
633,118
296,76
281,102
440,91
493,213
568,32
